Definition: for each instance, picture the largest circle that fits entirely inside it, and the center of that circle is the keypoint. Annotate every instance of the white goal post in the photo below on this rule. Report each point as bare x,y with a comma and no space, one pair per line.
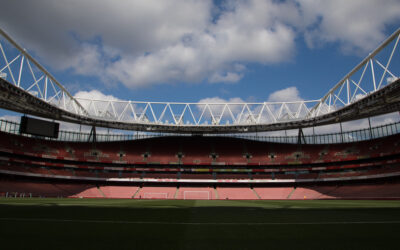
155,196
196,195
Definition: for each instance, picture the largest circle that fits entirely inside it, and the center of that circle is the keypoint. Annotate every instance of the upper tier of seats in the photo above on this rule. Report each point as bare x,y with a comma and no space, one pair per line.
197,151
199,159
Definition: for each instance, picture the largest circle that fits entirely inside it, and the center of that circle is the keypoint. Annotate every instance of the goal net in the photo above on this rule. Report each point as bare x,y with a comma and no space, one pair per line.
155,196
196,195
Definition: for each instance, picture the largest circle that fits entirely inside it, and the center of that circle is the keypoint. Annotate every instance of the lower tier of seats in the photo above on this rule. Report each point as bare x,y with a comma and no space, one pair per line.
36,188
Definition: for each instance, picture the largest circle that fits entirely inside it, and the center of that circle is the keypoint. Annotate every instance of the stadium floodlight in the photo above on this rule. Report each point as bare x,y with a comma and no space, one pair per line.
196,195
155,196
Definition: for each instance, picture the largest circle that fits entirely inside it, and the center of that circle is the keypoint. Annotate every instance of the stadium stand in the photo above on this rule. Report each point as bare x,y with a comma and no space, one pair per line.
236,193
27,188
273,193
118,191
316,192
156,193
205,161
210,158
369,191
196,176
196,193
88,192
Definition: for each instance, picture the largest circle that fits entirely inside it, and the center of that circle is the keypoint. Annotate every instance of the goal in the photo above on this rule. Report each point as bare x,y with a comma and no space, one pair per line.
196,195
155,196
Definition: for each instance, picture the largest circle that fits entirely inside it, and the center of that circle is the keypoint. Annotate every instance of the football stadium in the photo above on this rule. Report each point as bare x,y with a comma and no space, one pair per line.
181,175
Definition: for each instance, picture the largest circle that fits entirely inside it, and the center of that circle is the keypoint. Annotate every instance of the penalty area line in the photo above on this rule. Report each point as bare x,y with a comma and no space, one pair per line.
196,223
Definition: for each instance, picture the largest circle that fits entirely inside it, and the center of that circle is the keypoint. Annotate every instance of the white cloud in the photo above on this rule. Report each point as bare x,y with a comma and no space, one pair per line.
391,79
222,113
89,62
175,63
385,119
356,25
213,52
217,104
147,42
100,105
221,100
285,95
95,95
228,77
140,43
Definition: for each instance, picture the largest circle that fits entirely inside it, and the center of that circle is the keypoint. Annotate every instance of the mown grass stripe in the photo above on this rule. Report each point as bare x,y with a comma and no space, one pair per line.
196,223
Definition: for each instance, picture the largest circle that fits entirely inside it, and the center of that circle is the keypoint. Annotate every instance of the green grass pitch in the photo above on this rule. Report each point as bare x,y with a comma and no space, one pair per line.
182,224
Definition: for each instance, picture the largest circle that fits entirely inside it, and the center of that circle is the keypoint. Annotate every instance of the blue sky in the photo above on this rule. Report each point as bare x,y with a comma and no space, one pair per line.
188,51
